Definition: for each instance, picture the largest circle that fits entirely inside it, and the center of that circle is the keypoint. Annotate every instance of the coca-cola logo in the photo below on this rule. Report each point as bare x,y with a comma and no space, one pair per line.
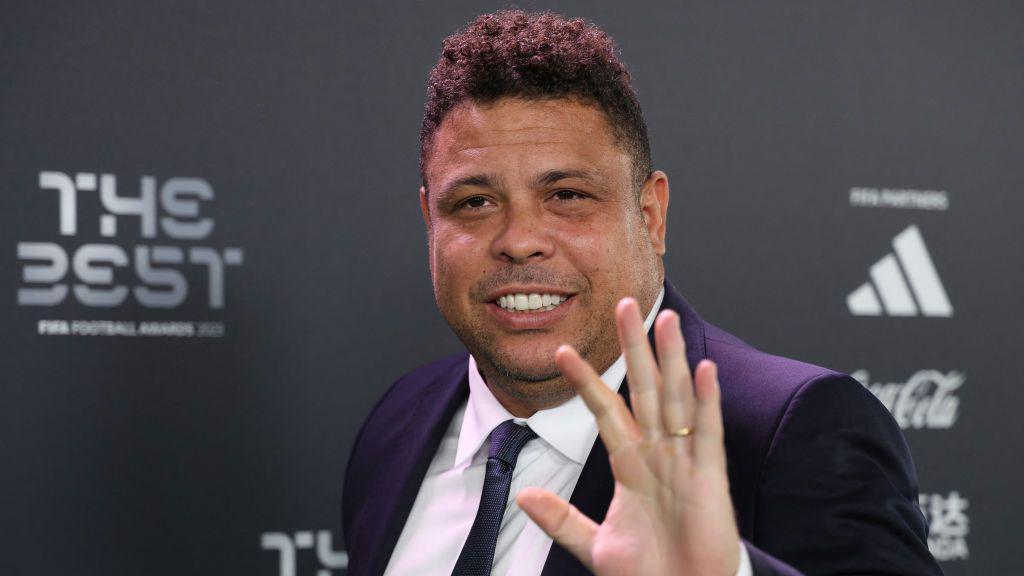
925,400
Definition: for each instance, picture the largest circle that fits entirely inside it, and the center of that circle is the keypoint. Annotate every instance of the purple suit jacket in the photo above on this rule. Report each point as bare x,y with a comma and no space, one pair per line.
821,478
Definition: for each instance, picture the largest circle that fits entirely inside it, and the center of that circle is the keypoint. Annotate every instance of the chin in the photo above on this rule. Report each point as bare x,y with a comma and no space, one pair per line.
527,371
527,365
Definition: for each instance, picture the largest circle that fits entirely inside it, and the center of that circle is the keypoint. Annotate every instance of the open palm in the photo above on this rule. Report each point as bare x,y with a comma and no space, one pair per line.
671,512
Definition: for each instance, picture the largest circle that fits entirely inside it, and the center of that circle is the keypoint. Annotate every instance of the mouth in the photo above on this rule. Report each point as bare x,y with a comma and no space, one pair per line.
530,303
522,310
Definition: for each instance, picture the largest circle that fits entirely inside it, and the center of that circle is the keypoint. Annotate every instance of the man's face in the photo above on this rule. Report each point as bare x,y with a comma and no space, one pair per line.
535,198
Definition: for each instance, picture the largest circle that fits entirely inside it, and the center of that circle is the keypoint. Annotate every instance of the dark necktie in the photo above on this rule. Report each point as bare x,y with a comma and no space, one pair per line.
478,553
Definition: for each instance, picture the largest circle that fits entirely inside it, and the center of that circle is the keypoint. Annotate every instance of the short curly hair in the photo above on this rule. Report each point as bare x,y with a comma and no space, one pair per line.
536,56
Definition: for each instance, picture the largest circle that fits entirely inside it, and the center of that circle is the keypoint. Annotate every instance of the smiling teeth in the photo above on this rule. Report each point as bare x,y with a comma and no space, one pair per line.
530,302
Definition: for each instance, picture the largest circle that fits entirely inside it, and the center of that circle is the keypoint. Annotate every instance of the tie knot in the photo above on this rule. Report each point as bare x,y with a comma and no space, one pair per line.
508,439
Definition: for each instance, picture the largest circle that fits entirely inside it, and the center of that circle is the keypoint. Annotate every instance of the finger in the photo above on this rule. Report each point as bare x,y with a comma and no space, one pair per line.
562,521
614,422
641,368
709,447
677,405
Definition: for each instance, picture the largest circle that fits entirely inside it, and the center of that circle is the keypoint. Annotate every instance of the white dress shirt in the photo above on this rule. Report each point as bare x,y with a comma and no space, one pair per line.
449,496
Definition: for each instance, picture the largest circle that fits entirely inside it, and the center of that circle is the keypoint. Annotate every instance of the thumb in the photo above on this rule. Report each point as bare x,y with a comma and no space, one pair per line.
560,520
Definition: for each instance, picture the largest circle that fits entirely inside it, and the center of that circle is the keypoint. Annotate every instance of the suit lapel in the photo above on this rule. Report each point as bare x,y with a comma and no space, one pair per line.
415,447
693,326
594,490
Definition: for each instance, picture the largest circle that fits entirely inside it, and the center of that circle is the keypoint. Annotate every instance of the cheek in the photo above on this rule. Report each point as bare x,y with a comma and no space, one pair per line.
596,249
454,256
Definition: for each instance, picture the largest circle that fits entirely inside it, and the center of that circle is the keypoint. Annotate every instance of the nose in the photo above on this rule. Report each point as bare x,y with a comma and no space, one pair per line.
522,237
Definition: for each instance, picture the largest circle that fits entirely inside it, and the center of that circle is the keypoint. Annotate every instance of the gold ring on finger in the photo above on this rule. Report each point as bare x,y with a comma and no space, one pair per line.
681,432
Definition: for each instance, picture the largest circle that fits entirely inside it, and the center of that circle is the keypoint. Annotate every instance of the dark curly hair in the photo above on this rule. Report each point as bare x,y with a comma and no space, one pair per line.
512,53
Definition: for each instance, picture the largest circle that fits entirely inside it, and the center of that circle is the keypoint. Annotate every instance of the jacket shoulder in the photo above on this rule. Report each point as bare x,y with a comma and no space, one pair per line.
758,389
757,386
761,392
812,453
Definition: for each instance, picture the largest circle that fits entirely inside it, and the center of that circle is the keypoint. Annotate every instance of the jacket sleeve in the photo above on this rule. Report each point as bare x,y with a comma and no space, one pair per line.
838,490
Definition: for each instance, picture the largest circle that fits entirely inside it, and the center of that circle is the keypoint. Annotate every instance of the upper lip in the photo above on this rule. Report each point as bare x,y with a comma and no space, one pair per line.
498,293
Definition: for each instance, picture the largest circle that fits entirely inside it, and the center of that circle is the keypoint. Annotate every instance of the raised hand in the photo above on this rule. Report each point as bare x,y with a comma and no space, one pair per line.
671,512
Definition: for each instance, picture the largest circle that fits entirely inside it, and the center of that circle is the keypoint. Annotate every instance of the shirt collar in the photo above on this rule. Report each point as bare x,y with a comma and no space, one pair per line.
569,427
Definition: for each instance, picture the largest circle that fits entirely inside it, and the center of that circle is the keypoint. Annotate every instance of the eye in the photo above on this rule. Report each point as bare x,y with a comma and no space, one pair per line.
474,202
567,195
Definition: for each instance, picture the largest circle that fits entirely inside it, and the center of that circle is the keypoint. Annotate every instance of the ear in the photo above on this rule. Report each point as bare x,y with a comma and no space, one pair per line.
425,208
654,207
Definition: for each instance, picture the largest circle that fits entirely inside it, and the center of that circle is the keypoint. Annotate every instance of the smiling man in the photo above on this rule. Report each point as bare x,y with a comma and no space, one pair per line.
535,234
546,231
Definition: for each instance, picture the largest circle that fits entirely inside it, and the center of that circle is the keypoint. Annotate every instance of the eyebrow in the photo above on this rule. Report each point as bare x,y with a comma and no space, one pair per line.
478,180
552,176
490,181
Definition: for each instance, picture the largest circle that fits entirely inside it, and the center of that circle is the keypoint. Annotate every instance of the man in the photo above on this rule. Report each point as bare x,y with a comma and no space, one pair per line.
546,231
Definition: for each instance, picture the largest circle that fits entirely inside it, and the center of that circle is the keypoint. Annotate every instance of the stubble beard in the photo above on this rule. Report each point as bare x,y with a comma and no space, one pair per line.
523,380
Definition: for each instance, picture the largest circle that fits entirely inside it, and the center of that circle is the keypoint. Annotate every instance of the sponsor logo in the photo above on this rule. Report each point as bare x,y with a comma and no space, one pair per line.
287,548
903,283
948,525
154,266
926,400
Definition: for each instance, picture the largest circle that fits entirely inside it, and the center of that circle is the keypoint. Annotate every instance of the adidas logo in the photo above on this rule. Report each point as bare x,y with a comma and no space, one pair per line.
903,283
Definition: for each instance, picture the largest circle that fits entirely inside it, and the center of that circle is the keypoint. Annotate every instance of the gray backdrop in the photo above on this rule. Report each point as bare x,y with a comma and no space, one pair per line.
214,263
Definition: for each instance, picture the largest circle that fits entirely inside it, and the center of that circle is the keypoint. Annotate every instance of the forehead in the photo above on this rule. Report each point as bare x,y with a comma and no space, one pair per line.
526,136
